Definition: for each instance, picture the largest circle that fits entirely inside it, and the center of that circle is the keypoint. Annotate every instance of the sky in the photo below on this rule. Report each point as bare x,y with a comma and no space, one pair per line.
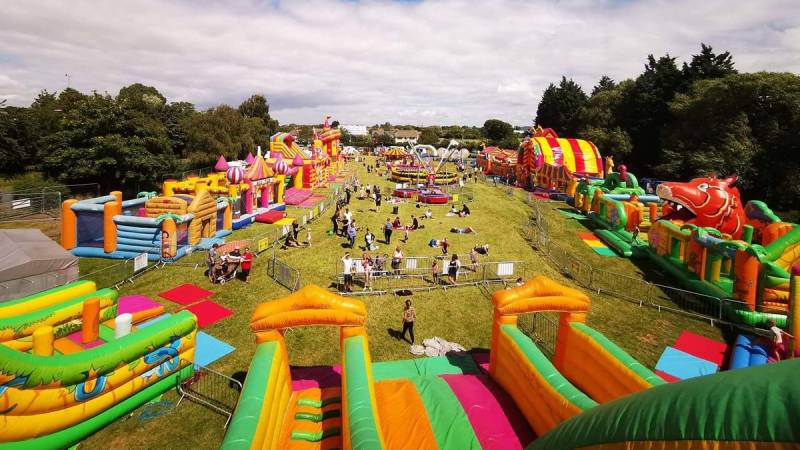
365,62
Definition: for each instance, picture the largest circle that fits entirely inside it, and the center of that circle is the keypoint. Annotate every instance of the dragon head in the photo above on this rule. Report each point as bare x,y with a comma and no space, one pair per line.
706,202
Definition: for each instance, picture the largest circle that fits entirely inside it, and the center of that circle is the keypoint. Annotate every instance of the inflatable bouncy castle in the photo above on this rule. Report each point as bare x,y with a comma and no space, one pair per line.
164,227
72,363
521,399
548,162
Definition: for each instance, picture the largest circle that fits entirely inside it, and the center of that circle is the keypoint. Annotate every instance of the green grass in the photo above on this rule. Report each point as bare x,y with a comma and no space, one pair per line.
462,314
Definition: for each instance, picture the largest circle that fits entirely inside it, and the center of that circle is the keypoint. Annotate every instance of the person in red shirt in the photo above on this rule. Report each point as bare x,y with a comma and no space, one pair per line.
247,263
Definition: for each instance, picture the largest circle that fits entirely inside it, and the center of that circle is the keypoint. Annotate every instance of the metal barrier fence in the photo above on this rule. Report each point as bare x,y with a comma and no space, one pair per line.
542,328
212,389
415,274
23,205
632,289
284,274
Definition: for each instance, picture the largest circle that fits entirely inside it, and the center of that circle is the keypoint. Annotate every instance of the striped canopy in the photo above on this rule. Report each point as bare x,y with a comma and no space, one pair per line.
576,155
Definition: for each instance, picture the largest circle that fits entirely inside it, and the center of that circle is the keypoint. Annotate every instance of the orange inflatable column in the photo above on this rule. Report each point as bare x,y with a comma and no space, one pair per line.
745,286
90,329
109,229
69,225
562,337
43,341
653,212
227,217
499,321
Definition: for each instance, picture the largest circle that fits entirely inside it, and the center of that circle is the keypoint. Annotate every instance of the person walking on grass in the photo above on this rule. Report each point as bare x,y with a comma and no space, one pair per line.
366,264
347,263
452,269
436,271
351,234
387,231
409,316
335,221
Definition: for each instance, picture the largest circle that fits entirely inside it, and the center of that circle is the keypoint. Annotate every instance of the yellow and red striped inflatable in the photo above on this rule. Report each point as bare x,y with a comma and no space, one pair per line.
577,155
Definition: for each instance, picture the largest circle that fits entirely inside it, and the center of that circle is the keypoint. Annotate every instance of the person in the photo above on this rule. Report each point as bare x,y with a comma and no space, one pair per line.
428,213
377,198
397,259
366,264
369,240
436,271
414,223
368,188
464,210
348,216
308,236
247,263
405,235
347,194
460,182
211,261
635,235
380,260
387,231
452,269
295,229
453,209
290,241
351,233
397,224
473,259
335,221
409,316
776,347
482,249
519,282
348,272
444,245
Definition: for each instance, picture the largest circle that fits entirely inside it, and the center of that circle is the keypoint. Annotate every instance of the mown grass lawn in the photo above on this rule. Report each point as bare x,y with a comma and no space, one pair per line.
460,314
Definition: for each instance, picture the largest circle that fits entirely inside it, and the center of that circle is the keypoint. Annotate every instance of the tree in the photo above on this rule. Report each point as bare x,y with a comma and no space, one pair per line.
176,117
599,124
605,84
497,131
559,107
429,136
749,126
223,131
257,107
708,64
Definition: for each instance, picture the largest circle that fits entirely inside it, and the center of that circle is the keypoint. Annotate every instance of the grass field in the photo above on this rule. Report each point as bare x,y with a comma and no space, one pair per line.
460,314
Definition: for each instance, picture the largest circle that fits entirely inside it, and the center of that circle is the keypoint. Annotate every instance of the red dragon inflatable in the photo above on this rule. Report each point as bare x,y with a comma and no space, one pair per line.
706,202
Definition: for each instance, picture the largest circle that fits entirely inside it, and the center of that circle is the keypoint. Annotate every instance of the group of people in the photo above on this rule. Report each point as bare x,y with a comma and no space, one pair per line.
292,237
463,212
370,266
224,266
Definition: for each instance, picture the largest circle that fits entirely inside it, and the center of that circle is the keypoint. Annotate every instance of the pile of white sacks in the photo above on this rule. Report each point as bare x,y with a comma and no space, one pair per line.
435,346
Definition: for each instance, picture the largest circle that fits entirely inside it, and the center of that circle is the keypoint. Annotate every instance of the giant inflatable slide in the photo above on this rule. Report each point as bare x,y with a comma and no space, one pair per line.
591,394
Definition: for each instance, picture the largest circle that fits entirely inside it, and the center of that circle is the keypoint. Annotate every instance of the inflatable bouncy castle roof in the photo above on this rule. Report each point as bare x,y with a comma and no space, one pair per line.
577,155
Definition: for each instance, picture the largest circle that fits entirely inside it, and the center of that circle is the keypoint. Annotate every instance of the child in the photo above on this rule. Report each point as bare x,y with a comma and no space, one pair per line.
308,237
247,263
436,271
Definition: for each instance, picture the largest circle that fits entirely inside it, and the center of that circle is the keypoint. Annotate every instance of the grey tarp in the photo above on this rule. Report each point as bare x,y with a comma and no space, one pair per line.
30,262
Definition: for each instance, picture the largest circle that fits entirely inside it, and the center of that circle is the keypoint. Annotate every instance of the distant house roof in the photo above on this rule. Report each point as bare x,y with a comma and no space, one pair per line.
355,130
381,131
406,134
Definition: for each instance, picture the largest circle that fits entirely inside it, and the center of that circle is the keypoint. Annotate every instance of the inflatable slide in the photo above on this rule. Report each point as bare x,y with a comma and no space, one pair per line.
69,365
575,400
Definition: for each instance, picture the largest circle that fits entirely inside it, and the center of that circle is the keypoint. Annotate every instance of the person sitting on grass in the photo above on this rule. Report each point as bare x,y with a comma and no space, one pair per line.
397,224
482,249
428,214
453,209
464,210
290,241
414,223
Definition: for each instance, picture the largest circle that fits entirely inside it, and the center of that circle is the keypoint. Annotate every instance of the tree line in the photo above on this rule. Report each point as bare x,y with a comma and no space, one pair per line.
678,122
128,141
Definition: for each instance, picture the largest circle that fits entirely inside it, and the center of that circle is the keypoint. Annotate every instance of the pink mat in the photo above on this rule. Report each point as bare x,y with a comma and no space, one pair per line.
701,347
316,377
135,303
76,338
312,201
294,196
494,417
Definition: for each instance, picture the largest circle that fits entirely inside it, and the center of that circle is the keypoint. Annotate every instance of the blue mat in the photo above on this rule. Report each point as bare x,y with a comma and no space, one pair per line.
682,365
210,349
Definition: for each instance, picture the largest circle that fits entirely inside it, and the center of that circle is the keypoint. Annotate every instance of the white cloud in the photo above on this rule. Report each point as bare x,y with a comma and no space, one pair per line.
449,61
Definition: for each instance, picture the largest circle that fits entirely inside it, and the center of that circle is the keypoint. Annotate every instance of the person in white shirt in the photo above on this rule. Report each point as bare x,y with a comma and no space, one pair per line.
348,216
348,272
428,213
776,348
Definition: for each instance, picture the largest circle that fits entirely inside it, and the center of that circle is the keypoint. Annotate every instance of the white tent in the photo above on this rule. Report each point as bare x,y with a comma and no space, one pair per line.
30,262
